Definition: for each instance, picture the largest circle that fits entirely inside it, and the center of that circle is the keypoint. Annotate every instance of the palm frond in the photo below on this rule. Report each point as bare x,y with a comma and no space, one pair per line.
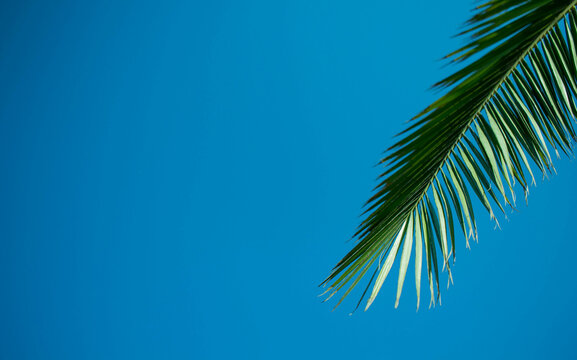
508,109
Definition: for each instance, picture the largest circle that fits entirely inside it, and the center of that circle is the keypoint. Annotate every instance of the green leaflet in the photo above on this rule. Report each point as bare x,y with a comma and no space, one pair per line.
405,256
418,256
387,266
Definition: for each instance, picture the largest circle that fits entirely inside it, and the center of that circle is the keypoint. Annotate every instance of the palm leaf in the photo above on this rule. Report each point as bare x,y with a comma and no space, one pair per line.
507,109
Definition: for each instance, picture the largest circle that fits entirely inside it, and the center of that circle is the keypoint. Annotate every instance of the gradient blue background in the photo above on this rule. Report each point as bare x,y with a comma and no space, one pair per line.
177,177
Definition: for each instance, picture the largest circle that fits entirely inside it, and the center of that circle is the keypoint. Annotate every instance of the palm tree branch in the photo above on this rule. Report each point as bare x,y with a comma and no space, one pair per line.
517,96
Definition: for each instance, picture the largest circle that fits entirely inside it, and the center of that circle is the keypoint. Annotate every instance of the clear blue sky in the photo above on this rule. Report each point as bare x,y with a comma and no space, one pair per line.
177,177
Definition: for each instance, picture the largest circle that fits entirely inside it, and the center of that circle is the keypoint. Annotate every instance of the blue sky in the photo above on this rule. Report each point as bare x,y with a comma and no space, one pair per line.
178,178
